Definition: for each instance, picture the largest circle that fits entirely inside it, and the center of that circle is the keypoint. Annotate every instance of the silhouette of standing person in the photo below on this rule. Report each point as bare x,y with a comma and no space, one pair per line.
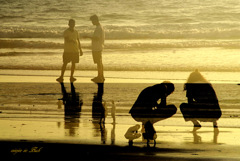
98,39
202,101
72,47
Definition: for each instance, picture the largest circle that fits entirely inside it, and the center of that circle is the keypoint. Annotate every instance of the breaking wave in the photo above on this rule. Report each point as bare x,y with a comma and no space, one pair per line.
122,44
114,32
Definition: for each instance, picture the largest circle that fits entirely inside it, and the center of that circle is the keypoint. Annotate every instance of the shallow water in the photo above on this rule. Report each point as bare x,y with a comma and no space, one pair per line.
41,97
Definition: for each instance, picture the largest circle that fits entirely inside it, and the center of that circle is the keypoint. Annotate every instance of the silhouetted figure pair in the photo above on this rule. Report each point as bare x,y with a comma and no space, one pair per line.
202,101
202,105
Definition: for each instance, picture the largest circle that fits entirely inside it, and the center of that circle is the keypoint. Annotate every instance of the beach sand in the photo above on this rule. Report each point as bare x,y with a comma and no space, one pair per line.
34,124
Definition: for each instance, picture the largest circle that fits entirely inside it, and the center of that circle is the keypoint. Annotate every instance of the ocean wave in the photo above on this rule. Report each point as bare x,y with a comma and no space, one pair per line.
14,53
28,33
174,44
28,44
115,32
122,44
56,10
10,17
126,67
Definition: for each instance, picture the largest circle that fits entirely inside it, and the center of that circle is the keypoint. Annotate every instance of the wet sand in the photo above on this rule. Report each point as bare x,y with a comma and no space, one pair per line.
35,135
34,126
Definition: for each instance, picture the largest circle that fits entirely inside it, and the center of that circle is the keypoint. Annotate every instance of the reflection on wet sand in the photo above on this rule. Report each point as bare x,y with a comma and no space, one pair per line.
73,102
99,113
72,113
197,139
99,109
113,134
39,125
72,110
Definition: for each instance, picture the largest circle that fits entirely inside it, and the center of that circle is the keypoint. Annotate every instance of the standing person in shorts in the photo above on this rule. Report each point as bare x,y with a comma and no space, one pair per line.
98,38
72,48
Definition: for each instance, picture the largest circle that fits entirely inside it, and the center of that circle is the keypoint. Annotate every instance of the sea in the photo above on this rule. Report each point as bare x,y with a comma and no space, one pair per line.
146,36
152,35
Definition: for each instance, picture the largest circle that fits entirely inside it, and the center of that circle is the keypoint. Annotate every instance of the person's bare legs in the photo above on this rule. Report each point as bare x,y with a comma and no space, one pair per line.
216,132
215,124
100,70
72,79
196,125
100,77
60,79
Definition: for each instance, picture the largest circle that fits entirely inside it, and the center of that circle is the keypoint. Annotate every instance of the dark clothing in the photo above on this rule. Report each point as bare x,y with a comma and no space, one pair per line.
146,105
148,98
202,103
149,131
201,93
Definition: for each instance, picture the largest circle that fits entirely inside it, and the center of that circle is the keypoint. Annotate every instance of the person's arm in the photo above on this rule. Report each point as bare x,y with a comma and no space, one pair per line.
79,46
190,100
189,95
87,37
163,97
93,37
96,35
163,102
68,40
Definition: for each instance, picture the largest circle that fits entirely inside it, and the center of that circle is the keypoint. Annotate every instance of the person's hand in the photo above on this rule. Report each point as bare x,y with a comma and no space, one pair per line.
85,36
81,53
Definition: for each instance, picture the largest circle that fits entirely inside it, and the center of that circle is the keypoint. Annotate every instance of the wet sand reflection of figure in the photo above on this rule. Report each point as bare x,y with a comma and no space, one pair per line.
202,101
197,139
99,112
72,109
113,114
147,110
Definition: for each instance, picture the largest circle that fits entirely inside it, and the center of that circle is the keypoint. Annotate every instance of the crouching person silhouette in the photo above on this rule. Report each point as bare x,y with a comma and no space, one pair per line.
147,110
202,101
